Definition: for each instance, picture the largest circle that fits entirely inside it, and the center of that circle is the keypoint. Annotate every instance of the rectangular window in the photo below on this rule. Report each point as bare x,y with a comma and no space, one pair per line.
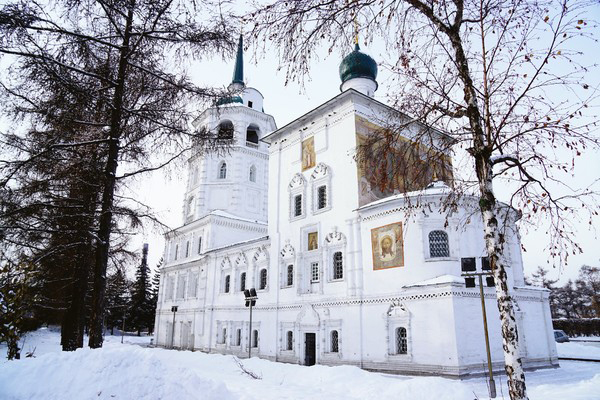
322,197
171,288
187,249
193,284
255,339
290,275
238,337
334,341
401,341
290,341
297,205
314,272
485,264
338,265
467,264
200,245
181,287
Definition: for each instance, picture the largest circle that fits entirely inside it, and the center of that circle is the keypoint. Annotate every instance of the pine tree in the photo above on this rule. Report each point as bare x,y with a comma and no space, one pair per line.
154,296
117,300
141,302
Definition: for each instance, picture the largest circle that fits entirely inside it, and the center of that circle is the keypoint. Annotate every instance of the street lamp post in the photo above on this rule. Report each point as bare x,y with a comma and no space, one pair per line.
251,298
470,282
174,310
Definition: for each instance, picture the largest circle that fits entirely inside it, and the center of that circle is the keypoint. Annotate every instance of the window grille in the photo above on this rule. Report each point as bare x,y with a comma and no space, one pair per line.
297,205
243,281
438,244
322,197
223,171
334,341
338,265
290,275
255,339
263,279
401,341
227,282
290,340
314,272
238,337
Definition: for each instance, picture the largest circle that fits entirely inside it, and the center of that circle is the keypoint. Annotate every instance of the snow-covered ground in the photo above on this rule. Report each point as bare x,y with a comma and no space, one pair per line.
132,371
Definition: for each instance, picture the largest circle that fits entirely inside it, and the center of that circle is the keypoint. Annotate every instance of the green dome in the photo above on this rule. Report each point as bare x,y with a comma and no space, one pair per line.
229,100
358,65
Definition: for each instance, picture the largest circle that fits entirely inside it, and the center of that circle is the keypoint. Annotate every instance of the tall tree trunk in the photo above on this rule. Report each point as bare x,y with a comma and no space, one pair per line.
105,227
74,318
494,241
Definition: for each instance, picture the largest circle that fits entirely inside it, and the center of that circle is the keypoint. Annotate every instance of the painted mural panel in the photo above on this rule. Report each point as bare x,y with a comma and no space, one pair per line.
308,153
313,241
388,246
405,167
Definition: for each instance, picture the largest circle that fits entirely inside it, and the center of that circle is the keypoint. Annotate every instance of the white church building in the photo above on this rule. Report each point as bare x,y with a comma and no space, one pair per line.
344,273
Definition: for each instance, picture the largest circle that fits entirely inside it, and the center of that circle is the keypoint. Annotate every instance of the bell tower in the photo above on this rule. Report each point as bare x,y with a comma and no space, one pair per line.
232,183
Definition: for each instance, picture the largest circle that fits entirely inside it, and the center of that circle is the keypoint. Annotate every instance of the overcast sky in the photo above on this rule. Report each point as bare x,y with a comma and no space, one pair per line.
164,191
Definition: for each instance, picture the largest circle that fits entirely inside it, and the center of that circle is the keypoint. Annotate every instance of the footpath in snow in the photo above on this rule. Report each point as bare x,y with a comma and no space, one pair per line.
131,371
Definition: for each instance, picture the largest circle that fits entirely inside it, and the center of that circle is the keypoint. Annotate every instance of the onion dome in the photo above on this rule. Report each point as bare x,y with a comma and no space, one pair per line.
358,65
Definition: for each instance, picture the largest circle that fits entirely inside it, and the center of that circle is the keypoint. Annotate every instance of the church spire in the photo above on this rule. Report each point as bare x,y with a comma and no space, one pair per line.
238,72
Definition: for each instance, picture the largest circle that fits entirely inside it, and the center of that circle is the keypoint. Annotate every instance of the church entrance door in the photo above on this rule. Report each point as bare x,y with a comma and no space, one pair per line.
310,349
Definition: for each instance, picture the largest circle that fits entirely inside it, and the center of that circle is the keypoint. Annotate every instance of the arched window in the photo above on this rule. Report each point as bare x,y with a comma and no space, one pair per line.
223,170
334,341
243,281
401,341
438,244
263,279
252,136
255,339
225,130
252,174
290,340
227,283
290,275
338,265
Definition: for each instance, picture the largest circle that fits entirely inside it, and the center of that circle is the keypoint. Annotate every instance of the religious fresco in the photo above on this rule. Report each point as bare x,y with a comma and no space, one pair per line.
404,168
313,241
388,246
308,153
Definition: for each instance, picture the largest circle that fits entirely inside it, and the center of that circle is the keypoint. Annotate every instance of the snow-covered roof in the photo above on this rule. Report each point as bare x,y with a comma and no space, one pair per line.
439,280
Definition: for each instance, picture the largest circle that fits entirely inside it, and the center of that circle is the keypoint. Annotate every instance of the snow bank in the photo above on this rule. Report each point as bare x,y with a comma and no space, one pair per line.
131,371
125,372
589,350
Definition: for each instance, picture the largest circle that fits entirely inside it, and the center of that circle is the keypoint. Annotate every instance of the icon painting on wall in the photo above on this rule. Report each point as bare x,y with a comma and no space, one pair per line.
388,246
308,153
313,241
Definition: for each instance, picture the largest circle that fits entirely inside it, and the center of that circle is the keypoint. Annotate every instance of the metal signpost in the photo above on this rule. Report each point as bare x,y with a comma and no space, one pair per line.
470,282
251,298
